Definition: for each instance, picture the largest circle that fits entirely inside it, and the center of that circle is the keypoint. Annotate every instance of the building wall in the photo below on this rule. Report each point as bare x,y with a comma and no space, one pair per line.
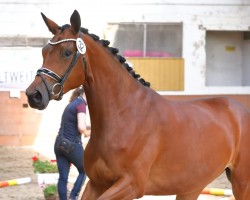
224,60
22,18
246,61
21,125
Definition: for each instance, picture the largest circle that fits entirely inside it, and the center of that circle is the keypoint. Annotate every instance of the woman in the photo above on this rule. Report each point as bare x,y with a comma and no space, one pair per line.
68,145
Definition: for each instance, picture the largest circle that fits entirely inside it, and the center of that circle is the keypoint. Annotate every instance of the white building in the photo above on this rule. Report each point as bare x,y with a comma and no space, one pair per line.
212,37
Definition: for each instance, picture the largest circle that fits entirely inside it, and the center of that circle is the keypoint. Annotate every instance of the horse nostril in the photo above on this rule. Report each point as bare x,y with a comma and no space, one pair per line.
35,97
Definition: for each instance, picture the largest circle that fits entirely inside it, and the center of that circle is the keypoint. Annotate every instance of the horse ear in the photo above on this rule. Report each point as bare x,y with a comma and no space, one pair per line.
52,26
75,21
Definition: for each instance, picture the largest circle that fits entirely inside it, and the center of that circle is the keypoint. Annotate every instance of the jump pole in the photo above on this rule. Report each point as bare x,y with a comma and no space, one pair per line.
217,191
13,182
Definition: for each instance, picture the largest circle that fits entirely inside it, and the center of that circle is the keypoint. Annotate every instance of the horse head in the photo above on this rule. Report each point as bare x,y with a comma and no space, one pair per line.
64,53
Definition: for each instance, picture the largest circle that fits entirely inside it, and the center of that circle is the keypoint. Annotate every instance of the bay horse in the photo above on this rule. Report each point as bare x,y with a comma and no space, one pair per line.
141,143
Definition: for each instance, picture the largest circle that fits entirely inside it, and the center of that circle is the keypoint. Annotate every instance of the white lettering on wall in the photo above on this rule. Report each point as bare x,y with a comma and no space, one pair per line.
16,76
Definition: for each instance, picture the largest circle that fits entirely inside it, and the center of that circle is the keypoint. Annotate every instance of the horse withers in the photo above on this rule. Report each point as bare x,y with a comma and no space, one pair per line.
141,143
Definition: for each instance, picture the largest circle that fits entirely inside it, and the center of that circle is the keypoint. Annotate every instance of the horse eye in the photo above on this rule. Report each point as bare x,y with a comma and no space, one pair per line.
67,53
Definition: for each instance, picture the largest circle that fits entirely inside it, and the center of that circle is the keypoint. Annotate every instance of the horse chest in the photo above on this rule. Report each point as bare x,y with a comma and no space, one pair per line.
99,172
99,164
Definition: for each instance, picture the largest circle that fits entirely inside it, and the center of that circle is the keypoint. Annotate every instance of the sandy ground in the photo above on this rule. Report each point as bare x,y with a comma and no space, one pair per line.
16,163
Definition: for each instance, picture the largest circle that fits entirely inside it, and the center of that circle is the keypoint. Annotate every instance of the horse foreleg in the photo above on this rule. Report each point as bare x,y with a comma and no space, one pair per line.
120,190
90,192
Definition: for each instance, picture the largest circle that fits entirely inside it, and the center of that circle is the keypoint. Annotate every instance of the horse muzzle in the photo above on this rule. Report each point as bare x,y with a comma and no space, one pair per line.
36,99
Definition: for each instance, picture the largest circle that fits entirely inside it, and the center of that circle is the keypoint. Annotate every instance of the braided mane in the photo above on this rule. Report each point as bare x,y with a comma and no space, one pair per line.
115,51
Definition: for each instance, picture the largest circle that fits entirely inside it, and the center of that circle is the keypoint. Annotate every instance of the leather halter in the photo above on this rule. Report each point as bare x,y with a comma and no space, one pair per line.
60,80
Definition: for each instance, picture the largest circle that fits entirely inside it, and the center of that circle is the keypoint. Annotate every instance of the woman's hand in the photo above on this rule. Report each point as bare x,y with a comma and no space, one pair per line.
86,133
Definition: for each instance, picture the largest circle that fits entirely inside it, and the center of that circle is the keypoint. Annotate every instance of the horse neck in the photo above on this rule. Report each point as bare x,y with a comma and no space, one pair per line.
109,86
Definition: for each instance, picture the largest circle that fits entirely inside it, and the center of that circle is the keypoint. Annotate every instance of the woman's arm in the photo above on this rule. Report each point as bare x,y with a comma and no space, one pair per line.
81,124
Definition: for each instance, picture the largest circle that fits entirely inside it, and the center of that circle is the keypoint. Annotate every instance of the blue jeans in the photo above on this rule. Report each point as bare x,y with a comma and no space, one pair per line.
63,163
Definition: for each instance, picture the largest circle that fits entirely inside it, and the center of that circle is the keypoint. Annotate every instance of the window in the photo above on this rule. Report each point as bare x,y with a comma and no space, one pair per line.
145,39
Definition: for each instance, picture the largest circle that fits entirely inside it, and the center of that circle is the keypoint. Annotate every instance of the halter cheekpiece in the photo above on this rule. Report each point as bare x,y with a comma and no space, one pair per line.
81,49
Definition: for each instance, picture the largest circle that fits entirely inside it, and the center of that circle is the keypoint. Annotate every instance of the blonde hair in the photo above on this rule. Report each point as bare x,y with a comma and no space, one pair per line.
76,93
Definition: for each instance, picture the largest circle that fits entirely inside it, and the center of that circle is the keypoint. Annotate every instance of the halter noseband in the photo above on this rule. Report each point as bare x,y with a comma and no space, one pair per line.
81,49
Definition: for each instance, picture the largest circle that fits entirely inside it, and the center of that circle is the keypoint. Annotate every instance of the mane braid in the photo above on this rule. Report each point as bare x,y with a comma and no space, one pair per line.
95,37
121,59
114,51
84,30
128,67
105,43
